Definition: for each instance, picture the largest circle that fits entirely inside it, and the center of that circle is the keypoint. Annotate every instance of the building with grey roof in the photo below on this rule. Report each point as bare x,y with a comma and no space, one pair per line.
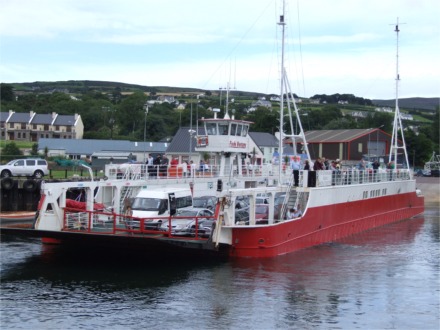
23,126
85,148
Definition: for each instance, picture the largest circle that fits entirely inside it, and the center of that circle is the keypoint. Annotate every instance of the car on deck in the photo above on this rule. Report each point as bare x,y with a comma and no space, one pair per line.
182,222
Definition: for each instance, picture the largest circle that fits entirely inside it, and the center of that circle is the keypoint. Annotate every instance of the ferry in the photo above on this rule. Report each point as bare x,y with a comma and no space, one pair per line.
329,204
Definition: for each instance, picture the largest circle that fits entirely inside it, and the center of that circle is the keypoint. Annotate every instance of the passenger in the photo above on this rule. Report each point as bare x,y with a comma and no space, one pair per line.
193,167
289,214
325,163
375,166
307,165
295,165
318,166
297,212
184,168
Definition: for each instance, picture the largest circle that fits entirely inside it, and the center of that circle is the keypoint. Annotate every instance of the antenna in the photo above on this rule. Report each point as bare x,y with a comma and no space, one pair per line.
397,124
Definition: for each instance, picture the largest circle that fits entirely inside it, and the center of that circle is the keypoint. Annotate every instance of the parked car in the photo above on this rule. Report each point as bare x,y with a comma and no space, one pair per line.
182,221
205,227
208,202
241,204
242,216
25,167
261,214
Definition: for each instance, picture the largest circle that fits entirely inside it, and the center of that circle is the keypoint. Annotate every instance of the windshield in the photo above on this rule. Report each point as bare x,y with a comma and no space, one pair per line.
199,202
146,204
187,214
261,209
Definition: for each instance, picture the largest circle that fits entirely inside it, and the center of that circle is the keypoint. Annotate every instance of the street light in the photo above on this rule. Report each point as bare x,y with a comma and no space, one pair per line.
111,121
145,131
377,141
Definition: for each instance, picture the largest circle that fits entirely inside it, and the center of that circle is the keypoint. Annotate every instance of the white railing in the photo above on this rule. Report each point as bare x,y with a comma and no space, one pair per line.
144,172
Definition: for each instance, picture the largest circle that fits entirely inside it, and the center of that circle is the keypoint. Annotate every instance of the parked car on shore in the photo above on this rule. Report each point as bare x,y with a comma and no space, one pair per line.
34,167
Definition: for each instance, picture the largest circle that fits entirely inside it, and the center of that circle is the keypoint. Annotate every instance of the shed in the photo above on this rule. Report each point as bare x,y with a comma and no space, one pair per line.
346,144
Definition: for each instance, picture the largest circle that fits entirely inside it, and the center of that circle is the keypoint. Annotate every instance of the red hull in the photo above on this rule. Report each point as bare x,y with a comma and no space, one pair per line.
324,224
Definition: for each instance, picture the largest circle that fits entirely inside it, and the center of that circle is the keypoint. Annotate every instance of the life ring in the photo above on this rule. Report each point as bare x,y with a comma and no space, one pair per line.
7,183
30,185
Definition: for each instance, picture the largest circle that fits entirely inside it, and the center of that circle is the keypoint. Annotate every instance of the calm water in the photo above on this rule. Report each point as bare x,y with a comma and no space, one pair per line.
387,278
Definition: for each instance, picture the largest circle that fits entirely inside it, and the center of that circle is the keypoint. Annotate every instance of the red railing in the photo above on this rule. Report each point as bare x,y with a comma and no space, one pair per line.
100,222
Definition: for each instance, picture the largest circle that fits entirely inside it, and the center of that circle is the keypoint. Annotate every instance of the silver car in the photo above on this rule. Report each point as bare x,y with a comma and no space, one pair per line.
25,167
182,222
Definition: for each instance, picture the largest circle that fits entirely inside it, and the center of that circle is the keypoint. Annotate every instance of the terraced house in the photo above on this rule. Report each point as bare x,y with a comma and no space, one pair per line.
33,126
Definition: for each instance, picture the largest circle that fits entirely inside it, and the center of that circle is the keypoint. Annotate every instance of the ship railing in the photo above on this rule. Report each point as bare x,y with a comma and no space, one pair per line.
137,171
356,176
100,222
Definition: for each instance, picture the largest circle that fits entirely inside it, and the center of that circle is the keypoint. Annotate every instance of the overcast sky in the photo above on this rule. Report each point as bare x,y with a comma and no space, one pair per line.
338,46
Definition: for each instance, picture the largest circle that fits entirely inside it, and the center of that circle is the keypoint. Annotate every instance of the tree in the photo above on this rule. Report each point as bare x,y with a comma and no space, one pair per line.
7,92
419,147
34,151
11,149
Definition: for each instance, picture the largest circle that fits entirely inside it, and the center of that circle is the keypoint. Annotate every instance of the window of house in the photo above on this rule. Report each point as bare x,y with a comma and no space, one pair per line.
359,147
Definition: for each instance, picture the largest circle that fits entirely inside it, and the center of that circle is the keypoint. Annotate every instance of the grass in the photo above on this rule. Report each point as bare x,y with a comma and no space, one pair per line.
19,144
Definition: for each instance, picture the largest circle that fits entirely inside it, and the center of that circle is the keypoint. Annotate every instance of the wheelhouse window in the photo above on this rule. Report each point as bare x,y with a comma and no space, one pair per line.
223,129
211,128
245,130
239,129
233,129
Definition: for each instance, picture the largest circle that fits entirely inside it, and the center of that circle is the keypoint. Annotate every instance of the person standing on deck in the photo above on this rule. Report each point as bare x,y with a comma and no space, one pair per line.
295,165
318,166
307,165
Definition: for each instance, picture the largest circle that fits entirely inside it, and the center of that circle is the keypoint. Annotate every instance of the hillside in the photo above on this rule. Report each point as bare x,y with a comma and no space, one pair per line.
425,103
83,86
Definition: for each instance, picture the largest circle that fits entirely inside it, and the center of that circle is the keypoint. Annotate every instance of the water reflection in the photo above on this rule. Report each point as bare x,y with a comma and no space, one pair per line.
384,278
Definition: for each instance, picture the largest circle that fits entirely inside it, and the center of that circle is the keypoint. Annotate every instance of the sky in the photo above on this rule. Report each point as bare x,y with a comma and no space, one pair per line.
338,46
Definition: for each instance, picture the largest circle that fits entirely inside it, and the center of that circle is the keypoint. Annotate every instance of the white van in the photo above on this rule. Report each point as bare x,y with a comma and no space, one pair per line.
161,202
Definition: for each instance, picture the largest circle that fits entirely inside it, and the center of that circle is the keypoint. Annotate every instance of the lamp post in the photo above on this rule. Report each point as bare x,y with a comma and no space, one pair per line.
377,141
190,132
145,131
111,121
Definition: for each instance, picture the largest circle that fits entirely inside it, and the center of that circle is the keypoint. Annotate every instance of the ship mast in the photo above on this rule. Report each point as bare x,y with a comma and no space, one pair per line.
286,90
397,124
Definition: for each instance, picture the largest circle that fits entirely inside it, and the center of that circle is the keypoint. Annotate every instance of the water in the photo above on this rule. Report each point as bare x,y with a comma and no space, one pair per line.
386,278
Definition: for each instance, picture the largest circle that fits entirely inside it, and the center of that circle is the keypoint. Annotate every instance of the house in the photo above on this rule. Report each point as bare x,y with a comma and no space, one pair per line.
359,114
384,109
166,98
33,126
262,103
406,116
266,143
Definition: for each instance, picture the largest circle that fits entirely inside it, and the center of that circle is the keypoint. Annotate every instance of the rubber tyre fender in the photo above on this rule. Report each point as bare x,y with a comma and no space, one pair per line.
30,185
7,183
